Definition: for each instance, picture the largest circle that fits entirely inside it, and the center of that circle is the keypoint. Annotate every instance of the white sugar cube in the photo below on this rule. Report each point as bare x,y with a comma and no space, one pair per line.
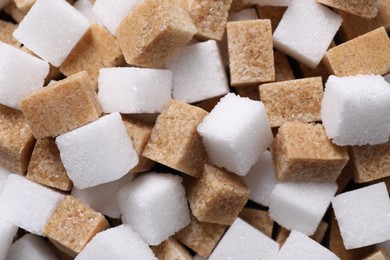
198,72
7,234
31,247
155,205
112,12
299,246
98,152
261,179
355,110
119,243
103,198
363,216
306,31
268,2
134,90
20,74
86,8
300,206
235,133
26,204
51,29
242,241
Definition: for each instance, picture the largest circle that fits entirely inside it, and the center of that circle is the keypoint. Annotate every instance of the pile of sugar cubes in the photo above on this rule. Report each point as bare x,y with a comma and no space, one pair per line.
194,129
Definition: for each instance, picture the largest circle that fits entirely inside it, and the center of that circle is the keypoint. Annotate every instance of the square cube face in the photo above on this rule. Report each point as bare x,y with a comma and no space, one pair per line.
98,152
364,8
217,196
251,56
175,142
59,108
26,204
363,216
236,124
302,152
134,90
198,72
51,29
73,225
293,100
242,241
301,206
20,74
355,110
297,33
155,205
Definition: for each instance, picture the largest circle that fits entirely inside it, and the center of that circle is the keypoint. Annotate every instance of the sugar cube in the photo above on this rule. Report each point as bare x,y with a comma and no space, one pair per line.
121,243
355,110
98,152
380,254
198,72
6,30
31,247
242,241
298,32
3,3
363,215
236,124
298,246
20,74
367,9
51,29
261,179
155,205
26,204
86,8
134,90
274,13
111,13
8,232
300,206
171,249
259,219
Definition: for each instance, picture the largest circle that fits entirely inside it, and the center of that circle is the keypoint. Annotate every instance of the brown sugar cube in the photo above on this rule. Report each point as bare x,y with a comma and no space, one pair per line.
96,49
258,219
354,26
201,237
16,140
24,5
251,55
175,141
370,162
46,166
366,54
59,108
217,196
73,225
12,10
170,249
282,236
290,100
283,70
380,254
302,152
209,17
152,31
364,8
274,13
139,133
6,30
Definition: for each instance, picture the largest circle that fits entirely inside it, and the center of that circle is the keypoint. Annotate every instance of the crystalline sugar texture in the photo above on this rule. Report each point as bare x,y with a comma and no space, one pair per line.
7,231
31,247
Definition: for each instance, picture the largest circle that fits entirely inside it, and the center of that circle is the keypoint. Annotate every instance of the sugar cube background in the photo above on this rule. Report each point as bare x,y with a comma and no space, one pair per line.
242,241
268,2
198,72
235,124
20,74
261,179
3,3
8,232
155,205
300,206
134,90
259,219
355,110
120,242
31,247
63,27
4,173
171,249
98,152
26,204
297,33
363,215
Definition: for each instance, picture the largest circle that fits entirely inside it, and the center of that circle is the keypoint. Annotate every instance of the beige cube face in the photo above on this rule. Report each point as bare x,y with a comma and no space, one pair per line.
62,107
364,8
251,55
